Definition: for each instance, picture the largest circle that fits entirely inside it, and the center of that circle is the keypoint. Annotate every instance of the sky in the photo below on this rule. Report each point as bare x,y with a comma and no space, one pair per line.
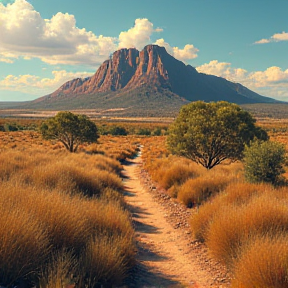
44,43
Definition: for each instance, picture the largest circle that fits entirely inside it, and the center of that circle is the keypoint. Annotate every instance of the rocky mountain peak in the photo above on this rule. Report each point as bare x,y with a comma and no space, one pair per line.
152,71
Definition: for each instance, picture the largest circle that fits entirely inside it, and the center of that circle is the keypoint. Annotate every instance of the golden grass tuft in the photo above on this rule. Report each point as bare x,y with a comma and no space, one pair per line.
72,175
24,245
58,273
263,263
102,262
47,209
196,191
241,192
235,225
200,221
172,172
235,194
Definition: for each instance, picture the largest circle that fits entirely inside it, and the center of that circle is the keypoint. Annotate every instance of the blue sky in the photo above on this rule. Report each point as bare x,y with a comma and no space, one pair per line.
43,44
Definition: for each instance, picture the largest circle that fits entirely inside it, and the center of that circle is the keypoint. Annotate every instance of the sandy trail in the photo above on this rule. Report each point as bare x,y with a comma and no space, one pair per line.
162,258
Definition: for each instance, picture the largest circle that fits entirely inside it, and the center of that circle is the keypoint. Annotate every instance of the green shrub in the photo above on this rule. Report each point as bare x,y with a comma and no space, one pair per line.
157,131
144,131
263,162
10,127
117,130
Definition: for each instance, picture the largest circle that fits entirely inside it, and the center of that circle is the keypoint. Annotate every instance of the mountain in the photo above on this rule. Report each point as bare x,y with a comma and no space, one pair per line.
148,82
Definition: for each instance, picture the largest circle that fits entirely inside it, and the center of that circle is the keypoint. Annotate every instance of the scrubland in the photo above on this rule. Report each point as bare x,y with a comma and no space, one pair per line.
244,225
65,216
63,219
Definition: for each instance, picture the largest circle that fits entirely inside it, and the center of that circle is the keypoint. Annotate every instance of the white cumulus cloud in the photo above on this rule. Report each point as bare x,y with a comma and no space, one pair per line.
274,38
272,82
223,69
36,85
25,34
271,76
138,36
187,53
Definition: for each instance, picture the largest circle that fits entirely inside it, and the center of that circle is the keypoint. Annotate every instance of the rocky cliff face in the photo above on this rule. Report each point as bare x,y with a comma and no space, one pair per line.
129,70
126,68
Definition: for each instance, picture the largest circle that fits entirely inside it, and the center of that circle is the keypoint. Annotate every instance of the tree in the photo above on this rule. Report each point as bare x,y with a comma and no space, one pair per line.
209,133
264,161
70,129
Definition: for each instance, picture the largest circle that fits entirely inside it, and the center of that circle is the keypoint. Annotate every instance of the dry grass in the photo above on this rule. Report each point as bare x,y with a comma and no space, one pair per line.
263,263
118,148
46,210
241,192
235,194
246,227
171,172
62,171
76,233
235,225
201,220
58,273
103,262
196,191
24,245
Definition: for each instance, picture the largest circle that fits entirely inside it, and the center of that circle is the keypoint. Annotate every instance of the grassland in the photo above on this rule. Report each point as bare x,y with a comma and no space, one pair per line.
245,226
63,219
65,214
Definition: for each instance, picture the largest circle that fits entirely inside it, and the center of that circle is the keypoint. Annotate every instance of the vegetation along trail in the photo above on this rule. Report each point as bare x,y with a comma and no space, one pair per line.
163,259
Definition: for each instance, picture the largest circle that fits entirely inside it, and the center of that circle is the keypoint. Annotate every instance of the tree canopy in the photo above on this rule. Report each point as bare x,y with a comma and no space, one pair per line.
70,129
209,133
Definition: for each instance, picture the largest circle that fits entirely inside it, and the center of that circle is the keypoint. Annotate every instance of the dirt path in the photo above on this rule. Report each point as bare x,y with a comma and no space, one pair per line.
164,258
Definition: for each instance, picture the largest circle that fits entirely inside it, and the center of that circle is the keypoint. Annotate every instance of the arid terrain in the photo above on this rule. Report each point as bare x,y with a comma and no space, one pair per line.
166,256
164,240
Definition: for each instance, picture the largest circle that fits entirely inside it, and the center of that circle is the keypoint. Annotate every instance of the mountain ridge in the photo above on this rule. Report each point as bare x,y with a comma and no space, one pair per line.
148,77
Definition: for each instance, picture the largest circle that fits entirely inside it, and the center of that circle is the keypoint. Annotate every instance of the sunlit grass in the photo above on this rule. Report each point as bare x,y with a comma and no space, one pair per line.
263,263
53,205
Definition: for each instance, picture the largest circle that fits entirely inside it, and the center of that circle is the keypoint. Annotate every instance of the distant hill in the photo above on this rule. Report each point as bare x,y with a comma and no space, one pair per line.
145,83
12,104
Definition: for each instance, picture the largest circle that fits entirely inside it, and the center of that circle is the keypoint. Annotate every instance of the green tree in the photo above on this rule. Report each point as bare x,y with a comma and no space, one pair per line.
70,129
264,161
209,133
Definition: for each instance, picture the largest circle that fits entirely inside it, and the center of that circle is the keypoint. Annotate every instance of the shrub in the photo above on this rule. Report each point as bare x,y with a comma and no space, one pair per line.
59,271
195,191
24,245
172,172
117,130
157,132
235,225
103,262
10,127
144,131
263,162
263,263
200,222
